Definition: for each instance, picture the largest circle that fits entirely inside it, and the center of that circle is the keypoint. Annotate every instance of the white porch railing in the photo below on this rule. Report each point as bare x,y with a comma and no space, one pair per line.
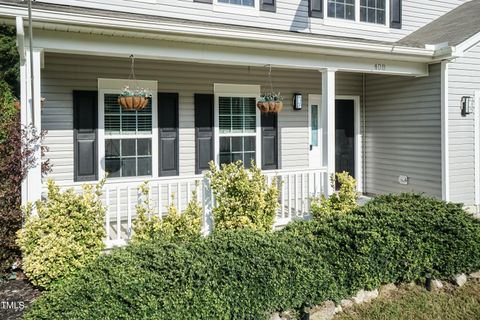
297,187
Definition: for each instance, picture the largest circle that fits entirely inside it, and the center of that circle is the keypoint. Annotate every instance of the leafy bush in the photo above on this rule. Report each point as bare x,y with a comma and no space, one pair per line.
175,226
16,157
9,60
344,201
66,233
246,274
243,197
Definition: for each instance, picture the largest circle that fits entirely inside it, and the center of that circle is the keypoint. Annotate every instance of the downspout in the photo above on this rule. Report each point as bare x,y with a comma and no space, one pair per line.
364,136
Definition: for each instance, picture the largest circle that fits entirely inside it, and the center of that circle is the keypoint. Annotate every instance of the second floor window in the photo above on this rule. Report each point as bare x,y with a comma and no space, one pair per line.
372,11
342,9
247,3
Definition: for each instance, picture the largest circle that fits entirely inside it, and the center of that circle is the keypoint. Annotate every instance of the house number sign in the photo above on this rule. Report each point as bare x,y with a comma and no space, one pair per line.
380,67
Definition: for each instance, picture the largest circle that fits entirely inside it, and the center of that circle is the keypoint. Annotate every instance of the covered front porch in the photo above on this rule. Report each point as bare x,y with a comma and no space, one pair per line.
329,128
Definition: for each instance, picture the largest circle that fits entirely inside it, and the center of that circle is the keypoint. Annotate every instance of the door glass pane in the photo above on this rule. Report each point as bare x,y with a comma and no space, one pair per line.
314,125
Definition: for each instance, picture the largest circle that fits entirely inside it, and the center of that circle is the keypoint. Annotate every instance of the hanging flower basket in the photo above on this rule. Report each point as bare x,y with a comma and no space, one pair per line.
270,103
133,100
133,103
17,105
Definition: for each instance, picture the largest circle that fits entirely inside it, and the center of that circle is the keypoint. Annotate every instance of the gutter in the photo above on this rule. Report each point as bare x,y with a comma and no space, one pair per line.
223,36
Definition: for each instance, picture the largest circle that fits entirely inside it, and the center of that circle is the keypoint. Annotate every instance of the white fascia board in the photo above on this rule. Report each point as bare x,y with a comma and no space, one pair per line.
237,34
87,44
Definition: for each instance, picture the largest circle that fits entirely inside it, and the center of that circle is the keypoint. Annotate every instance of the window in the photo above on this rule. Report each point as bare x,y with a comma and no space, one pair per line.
342,9
314,125
237,129
128,139
372,11
248,3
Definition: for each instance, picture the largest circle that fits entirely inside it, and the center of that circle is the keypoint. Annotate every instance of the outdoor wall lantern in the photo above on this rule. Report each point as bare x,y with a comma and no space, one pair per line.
297,101
466,105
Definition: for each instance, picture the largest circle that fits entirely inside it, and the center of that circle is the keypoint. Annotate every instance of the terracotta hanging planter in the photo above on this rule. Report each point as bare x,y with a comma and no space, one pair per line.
133,103
17,105
270,106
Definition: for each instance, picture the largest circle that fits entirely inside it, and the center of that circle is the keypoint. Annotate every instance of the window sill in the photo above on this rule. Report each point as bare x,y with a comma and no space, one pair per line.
236,8
356,25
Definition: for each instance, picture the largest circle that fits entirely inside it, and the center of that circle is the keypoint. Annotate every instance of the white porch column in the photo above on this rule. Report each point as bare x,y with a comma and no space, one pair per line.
31,115
328,103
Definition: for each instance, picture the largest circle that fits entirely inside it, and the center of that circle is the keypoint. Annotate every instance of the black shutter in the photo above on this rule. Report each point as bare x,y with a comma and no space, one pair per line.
269,141
203,131
203,1
315,8
268,5
396,14
168,134
85,124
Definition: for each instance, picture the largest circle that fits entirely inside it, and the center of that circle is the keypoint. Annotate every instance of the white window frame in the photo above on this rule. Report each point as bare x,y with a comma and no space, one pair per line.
357,24
241,91
114,86
237,9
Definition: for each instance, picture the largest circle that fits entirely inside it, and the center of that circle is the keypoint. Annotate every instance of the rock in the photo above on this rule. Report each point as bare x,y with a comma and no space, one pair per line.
275,316
387,289
346,303
325,311
460,279
338,309
437,285
365,296
475,275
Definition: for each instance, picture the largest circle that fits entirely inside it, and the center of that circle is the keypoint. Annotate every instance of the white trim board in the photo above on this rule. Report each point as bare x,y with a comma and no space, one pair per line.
445,133
477,147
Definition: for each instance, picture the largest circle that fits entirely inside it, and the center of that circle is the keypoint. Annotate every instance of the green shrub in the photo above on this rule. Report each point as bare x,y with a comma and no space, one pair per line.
66,233
246,274
175,226
243,197
341,202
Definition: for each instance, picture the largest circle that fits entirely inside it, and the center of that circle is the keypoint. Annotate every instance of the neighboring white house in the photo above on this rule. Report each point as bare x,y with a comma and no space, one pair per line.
373,87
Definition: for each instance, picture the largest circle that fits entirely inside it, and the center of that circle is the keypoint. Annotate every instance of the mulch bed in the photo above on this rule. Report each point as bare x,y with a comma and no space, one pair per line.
15,297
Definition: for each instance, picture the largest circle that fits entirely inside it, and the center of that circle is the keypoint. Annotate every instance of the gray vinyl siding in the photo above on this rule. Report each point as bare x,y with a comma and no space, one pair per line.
64,73
464,80
403,133
291,15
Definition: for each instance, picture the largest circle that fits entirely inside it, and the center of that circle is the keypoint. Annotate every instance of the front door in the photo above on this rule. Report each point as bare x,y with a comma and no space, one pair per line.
345,136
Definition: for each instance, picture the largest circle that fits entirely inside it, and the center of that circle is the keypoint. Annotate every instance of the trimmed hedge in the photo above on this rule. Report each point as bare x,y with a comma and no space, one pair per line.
246,274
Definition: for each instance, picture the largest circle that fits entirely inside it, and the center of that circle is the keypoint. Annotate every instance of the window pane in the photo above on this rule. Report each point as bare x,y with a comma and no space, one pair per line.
249,143
314,126
112,167
225,144
248,3
249,157
145,166
331,9
144,147
237,115
112,148
237,144
128,147
237,156
225,158
350,13
129,167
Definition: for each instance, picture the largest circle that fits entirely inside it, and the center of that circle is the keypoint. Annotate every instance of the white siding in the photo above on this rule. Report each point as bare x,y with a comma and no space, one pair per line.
464,79
291,15
403,133
64,73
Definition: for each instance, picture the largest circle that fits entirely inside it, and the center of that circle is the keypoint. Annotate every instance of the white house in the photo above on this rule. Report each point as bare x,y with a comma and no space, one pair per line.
387,90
